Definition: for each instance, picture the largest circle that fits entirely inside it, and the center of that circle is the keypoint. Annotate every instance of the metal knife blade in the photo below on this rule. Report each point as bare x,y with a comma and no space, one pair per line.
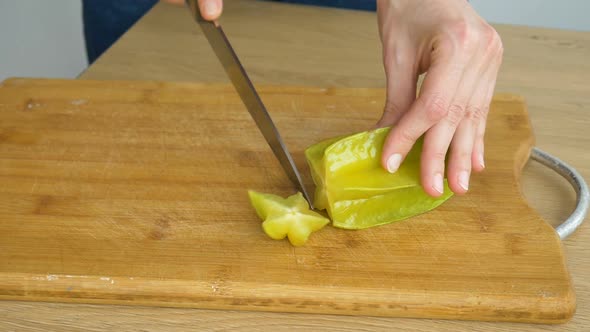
241,82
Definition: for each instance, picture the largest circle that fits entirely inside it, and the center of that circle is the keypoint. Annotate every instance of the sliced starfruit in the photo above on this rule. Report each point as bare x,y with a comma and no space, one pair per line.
290,217
357,192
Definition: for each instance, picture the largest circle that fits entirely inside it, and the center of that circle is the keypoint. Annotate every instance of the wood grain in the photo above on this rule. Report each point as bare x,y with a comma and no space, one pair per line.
135,193
341,48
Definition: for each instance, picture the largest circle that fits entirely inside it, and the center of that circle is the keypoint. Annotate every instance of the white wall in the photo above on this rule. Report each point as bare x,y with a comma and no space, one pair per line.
561,14
43,38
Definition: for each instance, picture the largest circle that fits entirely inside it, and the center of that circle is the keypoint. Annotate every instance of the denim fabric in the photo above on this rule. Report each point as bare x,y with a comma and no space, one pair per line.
106,20
369,5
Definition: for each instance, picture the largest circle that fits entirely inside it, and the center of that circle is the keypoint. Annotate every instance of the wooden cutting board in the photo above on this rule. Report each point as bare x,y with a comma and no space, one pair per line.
135,193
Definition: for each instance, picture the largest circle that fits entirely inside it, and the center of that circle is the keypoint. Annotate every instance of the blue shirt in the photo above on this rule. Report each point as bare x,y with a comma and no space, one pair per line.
107,20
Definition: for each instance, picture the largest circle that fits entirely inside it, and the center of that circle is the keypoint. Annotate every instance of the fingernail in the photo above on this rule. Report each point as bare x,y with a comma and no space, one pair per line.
438,183
210,8
481,162
393,162
464,180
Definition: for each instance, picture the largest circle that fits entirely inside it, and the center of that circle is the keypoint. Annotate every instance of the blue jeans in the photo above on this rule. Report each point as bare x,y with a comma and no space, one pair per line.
369,5
107,20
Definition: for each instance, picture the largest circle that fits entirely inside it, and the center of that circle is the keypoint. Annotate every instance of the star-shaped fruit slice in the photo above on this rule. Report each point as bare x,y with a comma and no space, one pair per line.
287,217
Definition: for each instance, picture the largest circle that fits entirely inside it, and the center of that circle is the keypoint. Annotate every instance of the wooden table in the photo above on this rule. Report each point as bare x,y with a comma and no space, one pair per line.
298,45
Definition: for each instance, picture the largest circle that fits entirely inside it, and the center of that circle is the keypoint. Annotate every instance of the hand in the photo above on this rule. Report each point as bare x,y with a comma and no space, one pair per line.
461,55
210,9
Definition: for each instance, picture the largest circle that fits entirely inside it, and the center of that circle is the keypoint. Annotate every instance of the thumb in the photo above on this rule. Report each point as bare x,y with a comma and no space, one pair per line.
401,77
210,9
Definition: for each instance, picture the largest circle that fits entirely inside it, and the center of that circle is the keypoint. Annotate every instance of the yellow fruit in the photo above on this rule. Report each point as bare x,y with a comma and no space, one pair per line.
290,217
357,192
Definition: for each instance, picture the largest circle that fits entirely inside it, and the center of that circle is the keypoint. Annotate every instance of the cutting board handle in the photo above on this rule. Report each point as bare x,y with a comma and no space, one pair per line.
577,217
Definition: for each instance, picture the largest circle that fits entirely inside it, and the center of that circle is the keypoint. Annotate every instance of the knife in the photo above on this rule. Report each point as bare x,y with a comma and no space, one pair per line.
239,78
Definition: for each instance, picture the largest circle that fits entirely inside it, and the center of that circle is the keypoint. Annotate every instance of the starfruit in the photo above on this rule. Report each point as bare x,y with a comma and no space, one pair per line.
357,192
290,217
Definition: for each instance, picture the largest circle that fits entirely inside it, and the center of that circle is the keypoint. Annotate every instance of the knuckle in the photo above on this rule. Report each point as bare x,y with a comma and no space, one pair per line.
405,137
488,36
455,114
436,108
476,113
465,36
391,107
471,38
463,156
403,58
437,156
460,29
493,42
445,46
500,46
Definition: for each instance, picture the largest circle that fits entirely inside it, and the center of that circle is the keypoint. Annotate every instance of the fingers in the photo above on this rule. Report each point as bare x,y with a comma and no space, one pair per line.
452,113
462,119
451,128
477,158
483,100
477,155
431,106
467,145
210,9
401,79
461,151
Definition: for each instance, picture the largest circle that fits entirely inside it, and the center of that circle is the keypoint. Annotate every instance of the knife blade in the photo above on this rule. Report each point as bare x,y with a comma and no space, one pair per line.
241,82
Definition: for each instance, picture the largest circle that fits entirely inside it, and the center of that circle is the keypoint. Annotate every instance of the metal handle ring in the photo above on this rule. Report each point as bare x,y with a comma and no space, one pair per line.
577,217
